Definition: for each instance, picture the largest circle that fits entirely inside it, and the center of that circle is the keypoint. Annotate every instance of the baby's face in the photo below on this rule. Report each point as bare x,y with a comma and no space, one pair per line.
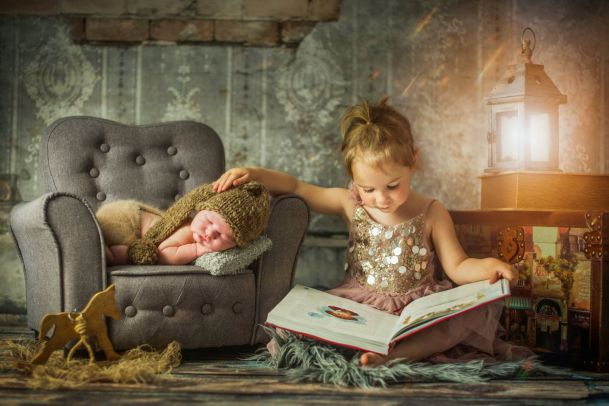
210,230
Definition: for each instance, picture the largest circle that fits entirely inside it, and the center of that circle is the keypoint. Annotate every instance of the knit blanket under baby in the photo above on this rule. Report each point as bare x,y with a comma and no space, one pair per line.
234,260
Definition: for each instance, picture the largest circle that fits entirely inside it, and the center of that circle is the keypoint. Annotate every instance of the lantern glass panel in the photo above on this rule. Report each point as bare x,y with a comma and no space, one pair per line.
508,135
539,135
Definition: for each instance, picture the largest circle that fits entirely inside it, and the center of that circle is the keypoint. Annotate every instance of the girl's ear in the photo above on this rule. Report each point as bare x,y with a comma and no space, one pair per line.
415,159
354,193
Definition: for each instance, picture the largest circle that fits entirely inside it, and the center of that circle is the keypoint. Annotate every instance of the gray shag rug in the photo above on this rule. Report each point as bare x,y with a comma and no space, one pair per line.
305,359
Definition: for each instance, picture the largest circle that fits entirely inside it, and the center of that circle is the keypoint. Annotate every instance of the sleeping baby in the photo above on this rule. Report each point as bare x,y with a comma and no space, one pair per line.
201,222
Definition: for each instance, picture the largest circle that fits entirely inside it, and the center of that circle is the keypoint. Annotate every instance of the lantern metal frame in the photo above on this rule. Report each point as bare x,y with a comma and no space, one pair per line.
524,116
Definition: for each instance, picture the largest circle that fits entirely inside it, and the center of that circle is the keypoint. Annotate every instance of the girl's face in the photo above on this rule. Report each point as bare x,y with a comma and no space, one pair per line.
210,230
385,187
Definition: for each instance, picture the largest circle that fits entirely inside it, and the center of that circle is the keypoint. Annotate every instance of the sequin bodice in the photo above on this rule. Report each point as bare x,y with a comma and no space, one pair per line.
389,259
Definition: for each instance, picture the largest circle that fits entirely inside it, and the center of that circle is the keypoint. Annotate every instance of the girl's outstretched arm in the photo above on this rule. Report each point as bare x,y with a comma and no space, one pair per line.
455,262
323,200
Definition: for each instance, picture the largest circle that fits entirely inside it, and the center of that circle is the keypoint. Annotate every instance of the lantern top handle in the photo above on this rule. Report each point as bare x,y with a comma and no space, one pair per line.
527,50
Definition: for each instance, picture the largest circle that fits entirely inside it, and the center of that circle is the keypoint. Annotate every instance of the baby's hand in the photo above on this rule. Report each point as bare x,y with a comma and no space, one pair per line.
230,178
496,269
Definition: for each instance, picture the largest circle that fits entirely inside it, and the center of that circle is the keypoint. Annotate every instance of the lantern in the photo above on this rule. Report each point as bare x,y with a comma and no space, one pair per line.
523,132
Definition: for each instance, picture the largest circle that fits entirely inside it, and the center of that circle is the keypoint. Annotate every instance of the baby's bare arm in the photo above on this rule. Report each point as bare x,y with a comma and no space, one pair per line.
180,248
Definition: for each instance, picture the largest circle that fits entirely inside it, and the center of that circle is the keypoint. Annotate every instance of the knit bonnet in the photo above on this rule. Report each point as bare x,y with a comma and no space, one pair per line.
245,209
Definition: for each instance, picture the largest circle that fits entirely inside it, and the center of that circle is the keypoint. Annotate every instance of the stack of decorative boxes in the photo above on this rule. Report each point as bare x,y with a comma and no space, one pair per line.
560,304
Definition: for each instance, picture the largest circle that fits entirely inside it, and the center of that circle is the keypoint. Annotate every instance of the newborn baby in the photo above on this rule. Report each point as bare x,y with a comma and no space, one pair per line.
207,232
141,234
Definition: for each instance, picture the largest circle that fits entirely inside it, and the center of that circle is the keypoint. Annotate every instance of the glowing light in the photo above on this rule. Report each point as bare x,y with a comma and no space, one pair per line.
424,21
407,88
444,81
490,62
539,134
510,136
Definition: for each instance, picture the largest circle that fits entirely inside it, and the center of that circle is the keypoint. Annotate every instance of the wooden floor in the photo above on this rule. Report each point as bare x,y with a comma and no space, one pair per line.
219,377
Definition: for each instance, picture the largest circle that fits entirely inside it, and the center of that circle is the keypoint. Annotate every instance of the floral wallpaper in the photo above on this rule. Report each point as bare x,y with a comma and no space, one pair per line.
280,107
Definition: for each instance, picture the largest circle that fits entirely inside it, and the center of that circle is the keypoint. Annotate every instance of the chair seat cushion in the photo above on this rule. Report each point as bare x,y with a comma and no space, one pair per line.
160,304
234,260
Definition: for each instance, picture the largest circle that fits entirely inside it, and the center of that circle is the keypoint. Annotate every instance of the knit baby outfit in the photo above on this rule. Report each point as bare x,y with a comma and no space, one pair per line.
245,208
120,220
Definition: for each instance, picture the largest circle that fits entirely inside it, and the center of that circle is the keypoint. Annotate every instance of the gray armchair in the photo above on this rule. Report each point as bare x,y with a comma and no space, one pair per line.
86,162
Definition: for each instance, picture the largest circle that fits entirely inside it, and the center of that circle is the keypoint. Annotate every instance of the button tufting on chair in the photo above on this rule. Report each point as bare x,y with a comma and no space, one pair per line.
184,174
101,196
130,311
237,308
104,147
177,197
168,310
94,172
207,308
140,160
172,150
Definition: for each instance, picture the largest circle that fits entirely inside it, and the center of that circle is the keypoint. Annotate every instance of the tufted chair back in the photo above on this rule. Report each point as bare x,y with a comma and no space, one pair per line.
102,160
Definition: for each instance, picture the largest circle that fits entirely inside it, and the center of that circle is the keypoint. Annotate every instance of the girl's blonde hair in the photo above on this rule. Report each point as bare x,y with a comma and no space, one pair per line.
376,133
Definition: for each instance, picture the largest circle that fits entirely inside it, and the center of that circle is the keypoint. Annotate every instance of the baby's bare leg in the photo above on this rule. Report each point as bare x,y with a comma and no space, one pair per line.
147,220
117,255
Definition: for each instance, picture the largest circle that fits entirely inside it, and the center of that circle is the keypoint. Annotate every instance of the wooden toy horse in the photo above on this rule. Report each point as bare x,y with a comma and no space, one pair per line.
80,326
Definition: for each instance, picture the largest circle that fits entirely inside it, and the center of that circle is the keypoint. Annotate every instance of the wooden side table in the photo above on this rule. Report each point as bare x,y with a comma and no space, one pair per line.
544,191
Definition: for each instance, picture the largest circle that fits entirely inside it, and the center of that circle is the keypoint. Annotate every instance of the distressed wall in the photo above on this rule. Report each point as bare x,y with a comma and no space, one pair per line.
279,107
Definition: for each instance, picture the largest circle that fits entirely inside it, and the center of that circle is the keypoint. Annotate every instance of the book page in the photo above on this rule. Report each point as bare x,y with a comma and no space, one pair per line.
450,301
310,311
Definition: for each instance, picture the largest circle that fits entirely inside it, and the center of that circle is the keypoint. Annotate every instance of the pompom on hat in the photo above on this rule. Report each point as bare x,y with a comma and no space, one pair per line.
245,208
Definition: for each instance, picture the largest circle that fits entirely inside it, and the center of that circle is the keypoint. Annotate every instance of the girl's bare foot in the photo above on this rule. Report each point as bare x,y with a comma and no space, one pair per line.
371,359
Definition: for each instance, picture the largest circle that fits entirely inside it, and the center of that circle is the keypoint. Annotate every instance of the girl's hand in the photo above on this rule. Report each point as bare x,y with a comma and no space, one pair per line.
232,177
496,269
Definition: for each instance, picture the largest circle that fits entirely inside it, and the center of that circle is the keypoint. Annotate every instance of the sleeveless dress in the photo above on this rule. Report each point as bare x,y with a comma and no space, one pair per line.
390,266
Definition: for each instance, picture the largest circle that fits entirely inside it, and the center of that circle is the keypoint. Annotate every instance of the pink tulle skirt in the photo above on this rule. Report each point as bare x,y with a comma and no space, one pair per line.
471,335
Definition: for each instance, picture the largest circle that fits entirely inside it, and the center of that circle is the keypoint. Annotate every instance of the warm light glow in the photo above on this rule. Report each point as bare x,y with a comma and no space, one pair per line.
510,135
490,62
407,88
539,136
422,23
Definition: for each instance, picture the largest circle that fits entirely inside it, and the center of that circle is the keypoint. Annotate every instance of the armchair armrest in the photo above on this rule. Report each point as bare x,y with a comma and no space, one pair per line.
288,222
61,249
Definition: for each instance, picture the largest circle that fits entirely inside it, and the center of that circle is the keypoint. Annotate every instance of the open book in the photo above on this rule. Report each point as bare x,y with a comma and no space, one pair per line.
341,321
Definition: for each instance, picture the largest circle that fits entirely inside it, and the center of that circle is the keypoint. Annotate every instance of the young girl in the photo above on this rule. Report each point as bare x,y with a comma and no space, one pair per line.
394,235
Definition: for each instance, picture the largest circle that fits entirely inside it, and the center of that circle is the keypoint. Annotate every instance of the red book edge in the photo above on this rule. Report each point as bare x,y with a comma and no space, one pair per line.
322,339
